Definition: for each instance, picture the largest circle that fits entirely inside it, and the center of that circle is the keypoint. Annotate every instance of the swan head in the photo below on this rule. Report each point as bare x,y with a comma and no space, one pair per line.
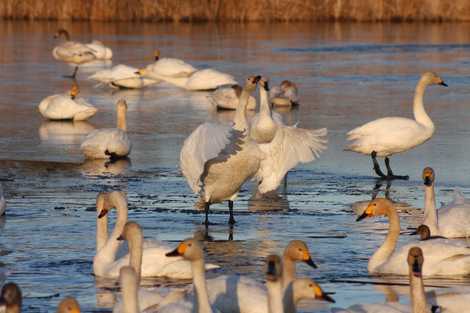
68,305
287,84
423,231
11,297
251,82
156,55
431,78
62,32
273,268
74,91
190,249
264,83
131,230
376,207
428,176
305,288
141,72
415,261
297,250
121,105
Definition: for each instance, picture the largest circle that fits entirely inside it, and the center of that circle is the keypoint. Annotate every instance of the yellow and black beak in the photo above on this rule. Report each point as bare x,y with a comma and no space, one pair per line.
326,297
416,269
308,260
139,72
256,79
103,213
179,251
442,83
427,180
367,213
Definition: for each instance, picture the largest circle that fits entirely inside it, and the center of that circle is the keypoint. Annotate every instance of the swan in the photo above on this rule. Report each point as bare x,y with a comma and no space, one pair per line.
147,258
72,52
390,135
453,219
414,260
217,166
99,50
302,288
67,107
11,298
284,95
284,146
112,143
443,257
233,293
129,281
3,203
191,250
228,97
68,305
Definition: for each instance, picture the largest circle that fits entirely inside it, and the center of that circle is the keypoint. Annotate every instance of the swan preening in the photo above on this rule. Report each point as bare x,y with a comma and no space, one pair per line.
67,107
452,220
444,257
148,259
391,135
217,159
78,53
109,143
228,98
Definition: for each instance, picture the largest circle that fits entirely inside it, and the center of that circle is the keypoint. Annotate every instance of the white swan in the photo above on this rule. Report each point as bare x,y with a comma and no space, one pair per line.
129,281
67,107
148,258
284,95
390,135
233,293
216,166
122,76
418,304
68,305
443,257
228,98
284,146
110,143
191,250
72,52
3,203
100,51
453,219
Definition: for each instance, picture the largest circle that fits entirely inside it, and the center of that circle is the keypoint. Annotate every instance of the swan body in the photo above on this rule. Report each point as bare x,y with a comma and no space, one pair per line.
443,257
122,76
73,52
63,107
100,51
283,146
452,220
391,135
228,97
148,258
169,67
110,142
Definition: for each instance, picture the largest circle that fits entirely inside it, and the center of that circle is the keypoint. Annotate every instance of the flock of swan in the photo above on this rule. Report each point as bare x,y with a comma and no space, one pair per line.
217,159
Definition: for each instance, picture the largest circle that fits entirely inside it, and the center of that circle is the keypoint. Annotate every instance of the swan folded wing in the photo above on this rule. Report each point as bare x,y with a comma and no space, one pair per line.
289,147
204,143
172,68
70,49
101,140
120,71
224,97
209,79
387,135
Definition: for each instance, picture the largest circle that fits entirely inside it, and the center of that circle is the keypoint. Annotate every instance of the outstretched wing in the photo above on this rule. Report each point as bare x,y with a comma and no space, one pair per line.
289,147
204,143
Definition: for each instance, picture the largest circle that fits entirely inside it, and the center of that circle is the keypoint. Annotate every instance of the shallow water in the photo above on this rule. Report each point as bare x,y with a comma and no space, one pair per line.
347,73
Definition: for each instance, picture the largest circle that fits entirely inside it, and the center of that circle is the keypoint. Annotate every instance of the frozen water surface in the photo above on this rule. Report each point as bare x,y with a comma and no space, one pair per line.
347,74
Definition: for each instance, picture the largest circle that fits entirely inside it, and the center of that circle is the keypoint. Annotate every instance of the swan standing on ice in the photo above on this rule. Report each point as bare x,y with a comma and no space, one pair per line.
78,53
284,95
228,98
67,107
112,143
452,220
390,135
284,146
147,258
444,257
217,166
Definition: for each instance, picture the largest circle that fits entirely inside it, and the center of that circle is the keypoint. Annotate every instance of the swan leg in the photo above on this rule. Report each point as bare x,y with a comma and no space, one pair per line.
74,74
390,174
206,211
231,220
377,169
285,182
230,233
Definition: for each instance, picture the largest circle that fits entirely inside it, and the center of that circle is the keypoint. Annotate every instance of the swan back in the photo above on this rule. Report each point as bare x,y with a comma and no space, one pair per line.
208,79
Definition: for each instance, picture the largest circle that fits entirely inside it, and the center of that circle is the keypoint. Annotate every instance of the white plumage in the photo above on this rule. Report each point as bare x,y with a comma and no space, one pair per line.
122,76
228,97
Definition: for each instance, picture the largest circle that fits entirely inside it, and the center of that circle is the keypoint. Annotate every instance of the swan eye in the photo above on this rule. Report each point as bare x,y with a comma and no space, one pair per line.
190,244
310,285
374,204
300,249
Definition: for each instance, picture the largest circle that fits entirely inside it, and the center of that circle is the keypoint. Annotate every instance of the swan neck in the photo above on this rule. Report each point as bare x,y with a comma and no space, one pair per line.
288,271
199,280
135,250
388,246
264,108
275,302
430,212
240,114
129,298
418,107
122,119
288,299
418,298
101,224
